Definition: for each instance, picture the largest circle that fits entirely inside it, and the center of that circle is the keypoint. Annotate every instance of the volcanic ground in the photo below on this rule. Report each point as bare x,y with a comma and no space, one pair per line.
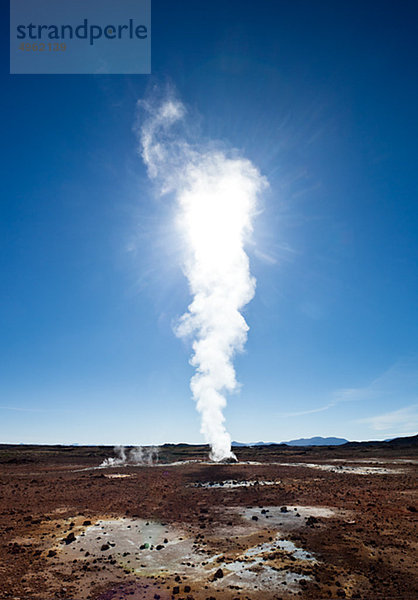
282,522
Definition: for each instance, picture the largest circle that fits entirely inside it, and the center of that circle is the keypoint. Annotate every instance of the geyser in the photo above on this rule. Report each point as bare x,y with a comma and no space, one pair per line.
216,195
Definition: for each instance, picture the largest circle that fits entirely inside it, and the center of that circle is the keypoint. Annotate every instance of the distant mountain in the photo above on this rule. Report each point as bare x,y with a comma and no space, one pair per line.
317,441
241,444
411,440
314,441
401,442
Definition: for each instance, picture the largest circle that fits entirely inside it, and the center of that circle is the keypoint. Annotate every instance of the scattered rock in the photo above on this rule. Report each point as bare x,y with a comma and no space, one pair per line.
70,538
310,521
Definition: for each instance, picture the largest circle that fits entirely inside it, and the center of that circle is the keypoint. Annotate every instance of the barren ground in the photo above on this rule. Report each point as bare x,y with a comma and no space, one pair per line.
300,523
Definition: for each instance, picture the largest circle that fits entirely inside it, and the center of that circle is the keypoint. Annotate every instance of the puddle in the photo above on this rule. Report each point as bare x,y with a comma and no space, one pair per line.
232,483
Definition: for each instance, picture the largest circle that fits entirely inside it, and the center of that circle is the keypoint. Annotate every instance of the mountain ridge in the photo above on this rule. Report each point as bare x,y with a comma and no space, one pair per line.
407,441
313,441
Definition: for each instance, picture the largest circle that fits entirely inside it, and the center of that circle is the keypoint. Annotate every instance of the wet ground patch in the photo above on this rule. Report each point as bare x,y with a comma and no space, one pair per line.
232,484
257,557
346,469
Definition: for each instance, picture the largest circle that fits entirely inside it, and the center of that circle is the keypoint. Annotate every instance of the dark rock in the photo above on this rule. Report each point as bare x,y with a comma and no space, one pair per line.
176,589
310,521
70,538
283,509
105,547
219,574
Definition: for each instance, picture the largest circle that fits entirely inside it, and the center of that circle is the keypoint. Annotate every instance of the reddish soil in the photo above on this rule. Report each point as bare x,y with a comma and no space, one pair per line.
367,549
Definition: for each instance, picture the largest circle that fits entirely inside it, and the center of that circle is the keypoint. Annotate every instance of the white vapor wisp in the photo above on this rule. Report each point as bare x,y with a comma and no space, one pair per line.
216,197
140,455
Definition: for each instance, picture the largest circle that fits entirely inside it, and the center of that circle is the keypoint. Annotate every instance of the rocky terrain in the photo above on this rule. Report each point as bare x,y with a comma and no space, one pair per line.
282,522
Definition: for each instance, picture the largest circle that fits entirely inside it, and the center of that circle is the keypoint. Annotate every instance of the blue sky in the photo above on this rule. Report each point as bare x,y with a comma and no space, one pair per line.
321,97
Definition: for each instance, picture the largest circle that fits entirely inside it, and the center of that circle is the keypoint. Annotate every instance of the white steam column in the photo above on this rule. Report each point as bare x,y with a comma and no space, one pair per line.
216,197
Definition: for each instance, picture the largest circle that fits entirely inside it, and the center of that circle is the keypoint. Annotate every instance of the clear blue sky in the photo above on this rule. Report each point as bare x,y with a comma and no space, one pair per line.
322,97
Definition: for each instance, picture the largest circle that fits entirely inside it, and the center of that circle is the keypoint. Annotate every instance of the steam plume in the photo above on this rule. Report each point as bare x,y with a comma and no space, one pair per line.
135,456
216,198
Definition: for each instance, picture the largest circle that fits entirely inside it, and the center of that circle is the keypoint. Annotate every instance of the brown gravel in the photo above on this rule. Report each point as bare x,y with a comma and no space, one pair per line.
367,550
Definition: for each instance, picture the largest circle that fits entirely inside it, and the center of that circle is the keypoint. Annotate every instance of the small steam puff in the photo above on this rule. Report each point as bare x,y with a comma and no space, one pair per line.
216,199
135,456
